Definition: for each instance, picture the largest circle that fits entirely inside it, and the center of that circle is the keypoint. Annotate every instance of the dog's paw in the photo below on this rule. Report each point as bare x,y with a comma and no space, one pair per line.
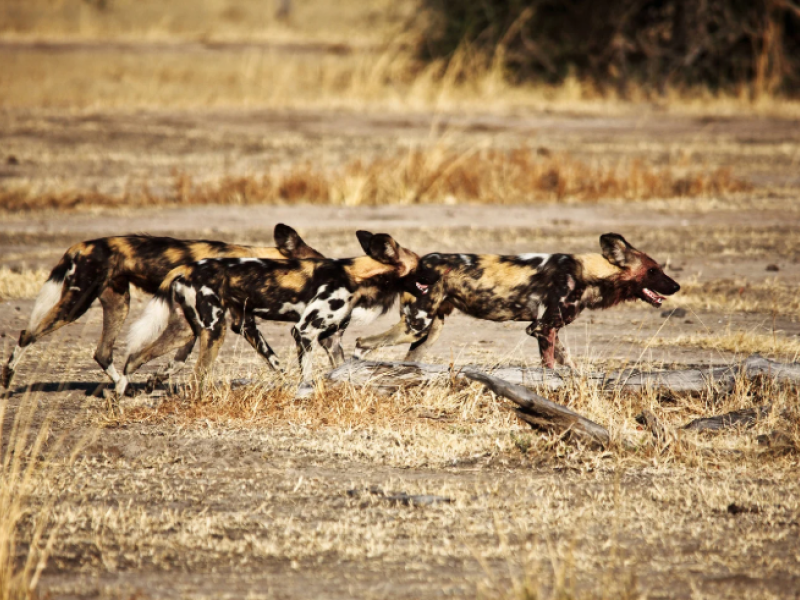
5,378
304,390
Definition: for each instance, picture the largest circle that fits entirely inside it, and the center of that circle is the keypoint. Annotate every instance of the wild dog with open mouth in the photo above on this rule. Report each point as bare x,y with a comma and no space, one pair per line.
321,295
549,290
105,268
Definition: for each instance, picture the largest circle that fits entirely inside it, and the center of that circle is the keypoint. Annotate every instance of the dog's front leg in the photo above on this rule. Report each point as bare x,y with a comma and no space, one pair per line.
304,357
562,354
319,321
547,337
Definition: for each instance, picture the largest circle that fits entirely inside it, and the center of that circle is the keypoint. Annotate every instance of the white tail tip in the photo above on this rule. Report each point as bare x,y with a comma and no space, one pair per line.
48,297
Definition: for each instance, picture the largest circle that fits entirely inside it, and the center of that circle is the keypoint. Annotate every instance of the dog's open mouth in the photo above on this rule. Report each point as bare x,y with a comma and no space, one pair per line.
422,287
651,297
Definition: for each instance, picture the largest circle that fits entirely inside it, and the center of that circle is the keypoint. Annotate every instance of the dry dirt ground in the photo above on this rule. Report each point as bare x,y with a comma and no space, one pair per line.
171,506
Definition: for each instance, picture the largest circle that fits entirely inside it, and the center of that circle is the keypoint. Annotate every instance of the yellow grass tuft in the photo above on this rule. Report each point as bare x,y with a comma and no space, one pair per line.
24,283
739,342
420,176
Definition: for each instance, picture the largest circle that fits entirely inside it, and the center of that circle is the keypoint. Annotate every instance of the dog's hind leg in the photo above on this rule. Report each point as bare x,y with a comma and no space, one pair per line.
72,304
399,333
115,299
177,335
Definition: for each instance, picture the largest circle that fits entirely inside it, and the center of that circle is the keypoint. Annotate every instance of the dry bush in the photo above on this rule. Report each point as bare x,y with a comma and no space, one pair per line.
24,283
420,176
740,295
443,424
739,342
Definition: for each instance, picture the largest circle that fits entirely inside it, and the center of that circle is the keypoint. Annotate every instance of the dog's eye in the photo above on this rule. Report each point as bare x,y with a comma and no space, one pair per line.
652,271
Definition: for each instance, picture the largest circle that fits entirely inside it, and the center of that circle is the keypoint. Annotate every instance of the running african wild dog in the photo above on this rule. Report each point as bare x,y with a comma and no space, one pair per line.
105,268
321,296
549,290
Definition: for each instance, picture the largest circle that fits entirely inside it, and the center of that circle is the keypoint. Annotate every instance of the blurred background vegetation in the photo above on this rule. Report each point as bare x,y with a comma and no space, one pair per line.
616,43
413,52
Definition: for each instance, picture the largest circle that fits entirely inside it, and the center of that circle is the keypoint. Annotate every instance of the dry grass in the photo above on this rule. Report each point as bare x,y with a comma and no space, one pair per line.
31,465
24,283
208,20
345,54
437,425
420,176
255,482
772,296
189,75
742,343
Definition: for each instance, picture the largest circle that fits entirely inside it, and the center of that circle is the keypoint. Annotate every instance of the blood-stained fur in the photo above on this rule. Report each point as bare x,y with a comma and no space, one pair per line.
321,296
548,290
105,268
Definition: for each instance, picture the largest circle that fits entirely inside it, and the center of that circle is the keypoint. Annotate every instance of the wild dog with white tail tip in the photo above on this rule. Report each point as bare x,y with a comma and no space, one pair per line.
321,296
106,268
549,290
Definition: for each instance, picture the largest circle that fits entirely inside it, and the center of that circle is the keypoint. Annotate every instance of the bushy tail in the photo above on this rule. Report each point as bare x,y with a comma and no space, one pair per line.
155,318
52,290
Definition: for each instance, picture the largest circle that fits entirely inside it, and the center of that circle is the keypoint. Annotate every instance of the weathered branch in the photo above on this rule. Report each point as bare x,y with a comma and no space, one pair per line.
738,418
391,376
539,411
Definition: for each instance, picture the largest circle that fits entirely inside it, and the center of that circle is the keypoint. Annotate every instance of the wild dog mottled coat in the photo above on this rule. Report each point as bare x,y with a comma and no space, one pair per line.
549,290
321,295
105,268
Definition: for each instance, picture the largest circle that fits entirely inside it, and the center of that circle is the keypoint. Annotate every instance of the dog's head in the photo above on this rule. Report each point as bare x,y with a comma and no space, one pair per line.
406,268
642,277
291,245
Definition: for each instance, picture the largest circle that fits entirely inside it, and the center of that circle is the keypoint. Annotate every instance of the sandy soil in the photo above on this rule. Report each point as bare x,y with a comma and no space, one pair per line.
163,509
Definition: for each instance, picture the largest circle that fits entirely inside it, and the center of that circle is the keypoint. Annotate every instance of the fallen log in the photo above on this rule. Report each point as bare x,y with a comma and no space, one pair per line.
391,376
541,412
738,418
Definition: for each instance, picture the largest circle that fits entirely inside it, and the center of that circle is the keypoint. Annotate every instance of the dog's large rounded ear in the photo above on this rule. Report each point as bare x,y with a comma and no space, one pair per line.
615,249
364,238
287,239
384,249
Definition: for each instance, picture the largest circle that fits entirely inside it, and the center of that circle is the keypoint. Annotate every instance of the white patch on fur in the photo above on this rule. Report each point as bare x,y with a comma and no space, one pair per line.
532,255
188,293
48,297
207,291
365,316
150,325
15,356
112,372
249,260
216,313
121,385
465,258
287,307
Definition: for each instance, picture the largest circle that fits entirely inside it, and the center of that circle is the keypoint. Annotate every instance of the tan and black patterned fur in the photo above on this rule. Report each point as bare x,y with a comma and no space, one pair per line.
106,268
549,291
320,295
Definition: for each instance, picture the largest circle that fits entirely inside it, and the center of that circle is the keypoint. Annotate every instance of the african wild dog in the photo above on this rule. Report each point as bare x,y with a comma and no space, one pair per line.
549,290
321,295
106,268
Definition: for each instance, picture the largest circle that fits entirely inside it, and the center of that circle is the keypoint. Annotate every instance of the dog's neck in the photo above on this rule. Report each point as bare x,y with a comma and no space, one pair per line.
364,268
605,282
596,267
